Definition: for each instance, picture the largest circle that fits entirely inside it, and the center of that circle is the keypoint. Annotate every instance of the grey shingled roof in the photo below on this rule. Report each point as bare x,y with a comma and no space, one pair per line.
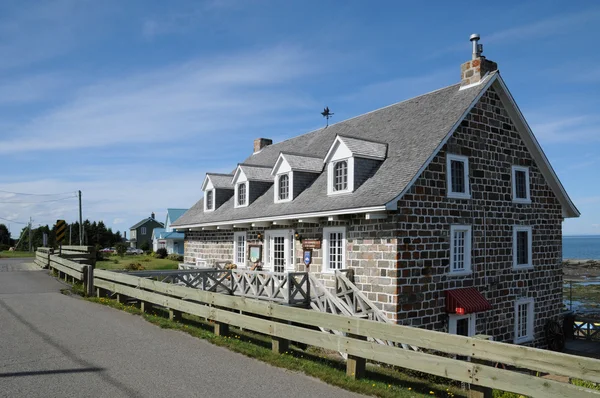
256,173
365,148
144,221
221,181
413,130
304,163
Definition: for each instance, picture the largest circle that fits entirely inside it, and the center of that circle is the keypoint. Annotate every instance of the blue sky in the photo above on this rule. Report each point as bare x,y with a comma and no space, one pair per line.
133,102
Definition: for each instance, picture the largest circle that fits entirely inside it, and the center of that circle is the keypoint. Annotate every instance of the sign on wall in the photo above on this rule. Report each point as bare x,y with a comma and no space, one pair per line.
311,243
254,253
307,257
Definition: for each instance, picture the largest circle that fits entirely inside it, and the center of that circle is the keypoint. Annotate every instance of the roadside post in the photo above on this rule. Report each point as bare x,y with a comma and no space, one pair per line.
61,229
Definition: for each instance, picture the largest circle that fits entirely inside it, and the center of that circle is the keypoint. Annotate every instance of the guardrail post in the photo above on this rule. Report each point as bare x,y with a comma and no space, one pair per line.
356,366
221,329
174,315
146,306
480,391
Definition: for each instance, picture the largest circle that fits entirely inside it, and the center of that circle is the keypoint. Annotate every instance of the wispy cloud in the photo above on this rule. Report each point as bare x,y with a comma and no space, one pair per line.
550,129
198,98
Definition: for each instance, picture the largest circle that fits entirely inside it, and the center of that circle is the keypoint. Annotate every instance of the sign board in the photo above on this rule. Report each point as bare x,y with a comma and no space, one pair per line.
61,229
311,243
254,253
307,257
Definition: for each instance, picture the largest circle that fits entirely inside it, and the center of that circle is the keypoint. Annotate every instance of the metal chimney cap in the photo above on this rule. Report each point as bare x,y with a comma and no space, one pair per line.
474,36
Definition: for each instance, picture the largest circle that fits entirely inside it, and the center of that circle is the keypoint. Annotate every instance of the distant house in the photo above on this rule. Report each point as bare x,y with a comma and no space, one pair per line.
142,232
166,237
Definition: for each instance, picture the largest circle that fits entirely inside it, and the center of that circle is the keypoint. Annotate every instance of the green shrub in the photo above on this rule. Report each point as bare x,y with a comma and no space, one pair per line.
161,253
121,249
586,384
145,246
175,257
4,247
135,267
115,261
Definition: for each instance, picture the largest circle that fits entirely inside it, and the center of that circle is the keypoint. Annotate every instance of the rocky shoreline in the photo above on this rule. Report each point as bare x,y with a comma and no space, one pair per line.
581,269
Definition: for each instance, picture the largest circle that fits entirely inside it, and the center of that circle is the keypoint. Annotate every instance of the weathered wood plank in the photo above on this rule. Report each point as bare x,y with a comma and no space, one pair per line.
66,270
519,356
432,364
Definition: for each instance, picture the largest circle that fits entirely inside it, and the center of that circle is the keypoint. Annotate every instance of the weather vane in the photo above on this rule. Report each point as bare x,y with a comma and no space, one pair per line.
327,114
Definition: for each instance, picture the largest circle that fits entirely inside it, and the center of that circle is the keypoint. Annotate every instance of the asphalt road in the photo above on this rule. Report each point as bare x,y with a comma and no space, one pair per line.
54,345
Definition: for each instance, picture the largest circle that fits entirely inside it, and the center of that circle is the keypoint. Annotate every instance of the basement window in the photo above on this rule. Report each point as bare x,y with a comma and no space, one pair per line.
523,320
457,176
520,184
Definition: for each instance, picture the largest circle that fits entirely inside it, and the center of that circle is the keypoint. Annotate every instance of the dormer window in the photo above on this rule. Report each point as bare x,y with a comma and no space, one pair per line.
209,200
284,187
242,193
340,176
352,161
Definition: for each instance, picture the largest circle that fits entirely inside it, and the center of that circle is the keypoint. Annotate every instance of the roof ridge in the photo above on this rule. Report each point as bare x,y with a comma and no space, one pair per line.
361,139
299,154
254,165
219,174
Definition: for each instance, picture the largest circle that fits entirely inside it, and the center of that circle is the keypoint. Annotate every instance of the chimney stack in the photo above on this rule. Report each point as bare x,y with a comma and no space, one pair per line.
260,143
153,215
473,71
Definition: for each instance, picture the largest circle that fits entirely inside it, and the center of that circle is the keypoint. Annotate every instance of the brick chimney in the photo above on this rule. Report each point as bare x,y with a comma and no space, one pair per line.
471,72
260,143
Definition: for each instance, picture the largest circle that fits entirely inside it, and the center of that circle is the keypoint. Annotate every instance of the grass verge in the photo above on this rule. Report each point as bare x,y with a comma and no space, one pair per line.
146,261
379,381
7,254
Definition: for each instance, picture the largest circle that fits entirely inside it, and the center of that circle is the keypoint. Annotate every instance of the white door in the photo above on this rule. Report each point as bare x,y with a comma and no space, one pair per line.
279,250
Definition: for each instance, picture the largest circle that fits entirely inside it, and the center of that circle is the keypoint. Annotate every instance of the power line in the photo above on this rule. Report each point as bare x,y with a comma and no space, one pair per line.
36,194
12,221
42,201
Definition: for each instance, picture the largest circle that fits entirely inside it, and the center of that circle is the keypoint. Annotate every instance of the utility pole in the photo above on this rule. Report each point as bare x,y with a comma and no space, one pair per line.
70,233
30,234
80,223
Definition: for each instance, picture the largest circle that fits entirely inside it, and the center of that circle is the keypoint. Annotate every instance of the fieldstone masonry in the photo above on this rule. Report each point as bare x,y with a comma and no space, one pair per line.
402,263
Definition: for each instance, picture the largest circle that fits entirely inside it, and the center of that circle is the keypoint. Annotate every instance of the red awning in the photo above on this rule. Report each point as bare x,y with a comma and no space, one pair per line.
469,299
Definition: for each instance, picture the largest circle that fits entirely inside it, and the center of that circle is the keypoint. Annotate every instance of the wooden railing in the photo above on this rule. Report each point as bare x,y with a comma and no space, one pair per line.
77,267
225,310
586,329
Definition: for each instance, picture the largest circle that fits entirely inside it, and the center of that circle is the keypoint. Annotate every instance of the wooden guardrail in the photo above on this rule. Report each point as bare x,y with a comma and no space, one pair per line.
77,267
227,310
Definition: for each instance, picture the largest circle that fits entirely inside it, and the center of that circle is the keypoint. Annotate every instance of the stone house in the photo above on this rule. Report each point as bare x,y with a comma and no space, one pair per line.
444,205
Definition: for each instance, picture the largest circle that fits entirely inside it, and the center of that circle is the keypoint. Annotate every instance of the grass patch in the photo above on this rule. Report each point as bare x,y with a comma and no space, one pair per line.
7,254
379,381
146,261
587,295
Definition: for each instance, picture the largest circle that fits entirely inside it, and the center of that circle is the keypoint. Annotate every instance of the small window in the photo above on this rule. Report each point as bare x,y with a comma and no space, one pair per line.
143,230
523,320
241,194
334,248
209,200
520,184
522,253
284,187
457,176
460,249
340,176
239,248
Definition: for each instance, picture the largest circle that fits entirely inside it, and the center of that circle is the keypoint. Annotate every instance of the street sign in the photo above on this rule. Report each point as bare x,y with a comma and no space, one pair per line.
61,229
307,257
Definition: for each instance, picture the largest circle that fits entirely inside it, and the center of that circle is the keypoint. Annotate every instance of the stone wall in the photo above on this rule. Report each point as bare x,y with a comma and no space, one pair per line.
490,140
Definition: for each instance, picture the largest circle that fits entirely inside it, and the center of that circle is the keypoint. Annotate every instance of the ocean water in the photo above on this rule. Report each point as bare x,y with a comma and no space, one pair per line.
583,247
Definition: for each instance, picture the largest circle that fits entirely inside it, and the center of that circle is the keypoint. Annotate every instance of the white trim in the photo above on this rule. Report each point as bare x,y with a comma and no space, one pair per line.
453,318
213,200
474,84
527,199
288,246
449,193
330,176
236,205
526,228
236,235
328,213
280,159
326,232
538,155
290,188
530,315
467,254
205,182
334,146
393,204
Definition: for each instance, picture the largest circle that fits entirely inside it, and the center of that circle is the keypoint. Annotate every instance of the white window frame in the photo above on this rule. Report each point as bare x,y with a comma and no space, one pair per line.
330,176
527,199
143,230
457,195
213,199
519,228
236,236
454,318
237,186
530,321
326,232
291,187
288,235
468,246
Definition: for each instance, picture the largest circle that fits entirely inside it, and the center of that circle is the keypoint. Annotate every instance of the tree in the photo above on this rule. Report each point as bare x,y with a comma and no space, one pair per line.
145,246
4,235
121,248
